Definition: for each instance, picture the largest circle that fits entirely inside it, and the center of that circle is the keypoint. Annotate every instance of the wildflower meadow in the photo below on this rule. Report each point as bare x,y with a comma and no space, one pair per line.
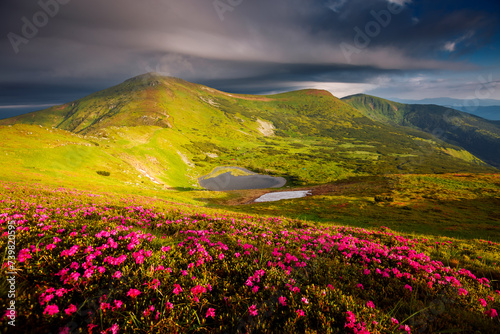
106,263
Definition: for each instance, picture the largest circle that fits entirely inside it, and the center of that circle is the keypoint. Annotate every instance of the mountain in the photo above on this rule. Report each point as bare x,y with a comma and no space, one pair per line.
477,135
485,108
447,102
155,131
491,113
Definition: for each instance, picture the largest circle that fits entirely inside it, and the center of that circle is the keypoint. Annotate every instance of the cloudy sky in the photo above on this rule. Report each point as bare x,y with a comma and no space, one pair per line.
55,51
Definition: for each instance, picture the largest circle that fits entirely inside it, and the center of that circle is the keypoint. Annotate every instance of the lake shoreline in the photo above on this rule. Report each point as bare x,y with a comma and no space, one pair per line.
232,179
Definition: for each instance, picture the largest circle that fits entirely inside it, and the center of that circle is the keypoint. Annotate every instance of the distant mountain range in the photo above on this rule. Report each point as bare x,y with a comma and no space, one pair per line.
477,135
490,113
485,108
447,101
172,131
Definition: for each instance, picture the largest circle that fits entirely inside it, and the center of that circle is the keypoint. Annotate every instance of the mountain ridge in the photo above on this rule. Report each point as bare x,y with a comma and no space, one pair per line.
479,136
448,101
168,131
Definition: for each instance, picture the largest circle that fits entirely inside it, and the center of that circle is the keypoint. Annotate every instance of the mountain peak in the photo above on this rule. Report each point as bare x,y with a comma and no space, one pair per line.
152,78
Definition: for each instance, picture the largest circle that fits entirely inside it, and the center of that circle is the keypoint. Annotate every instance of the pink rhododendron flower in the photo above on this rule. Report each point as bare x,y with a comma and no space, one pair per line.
24,254
51,310
253,310
370,304
350,320
300,313
177,289
492,313
483,302
405,328
148,311
61,292
282,300
48,298
64,330
408,287
350,316
70,310
114,329
198,290
133,293
210,313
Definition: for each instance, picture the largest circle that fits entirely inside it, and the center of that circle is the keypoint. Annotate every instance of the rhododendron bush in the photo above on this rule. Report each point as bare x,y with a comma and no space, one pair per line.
100,263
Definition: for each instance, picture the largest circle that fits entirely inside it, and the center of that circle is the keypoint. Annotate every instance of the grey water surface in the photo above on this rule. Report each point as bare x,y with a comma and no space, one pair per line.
227,181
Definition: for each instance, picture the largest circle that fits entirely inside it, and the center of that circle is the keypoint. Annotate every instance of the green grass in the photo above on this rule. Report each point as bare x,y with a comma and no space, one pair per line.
233,171
463,207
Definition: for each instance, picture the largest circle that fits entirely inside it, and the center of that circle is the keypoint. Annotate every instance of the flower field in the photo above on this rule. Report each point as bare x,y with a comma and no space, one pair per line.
103,263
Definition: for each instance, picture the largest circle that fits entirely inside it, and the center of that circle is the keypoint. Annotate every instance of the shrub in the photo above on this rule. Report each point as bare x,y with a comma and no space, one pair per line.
381,198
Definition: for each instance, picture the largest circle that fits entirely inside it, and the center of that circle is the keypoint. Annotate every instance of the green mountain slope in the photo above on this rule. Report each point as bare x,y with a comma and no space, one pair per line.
378,109
154,131
477,135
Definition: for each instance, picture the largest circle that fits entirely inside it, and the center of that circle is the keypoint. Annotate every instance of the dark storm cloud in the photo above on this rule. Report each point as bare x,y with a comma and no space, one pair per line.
421,28
282,77
252,46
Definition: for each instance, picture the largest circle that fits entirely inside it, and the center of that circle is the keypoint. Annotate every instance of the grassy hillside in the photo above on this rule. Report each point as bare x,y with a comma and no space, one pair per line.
160,132
379,109
477,135
465,206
